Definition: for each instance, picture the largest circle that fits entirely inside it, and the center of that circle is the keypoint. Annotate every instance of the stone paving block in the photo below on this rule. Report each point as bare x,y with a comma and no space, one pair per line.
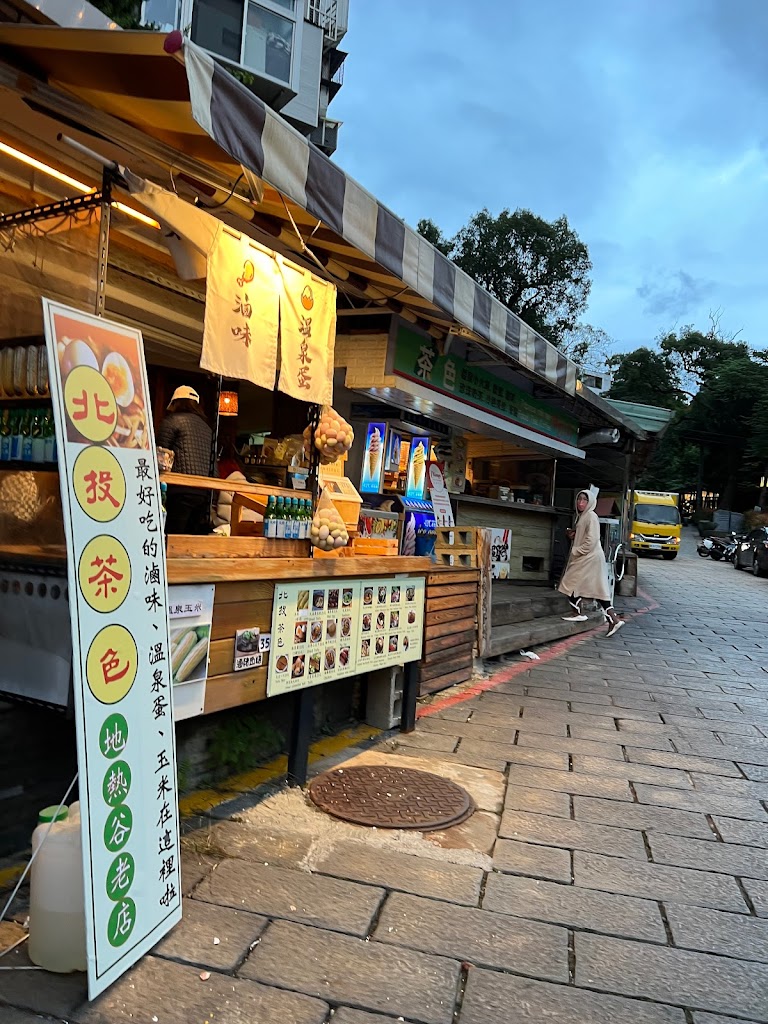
294,895
478,834
538,801
175,994
537,861
363,975
457,713
345,1015
480,937
528,725
697,980
758,892
714,1018
756,772
571,746
244,841
194,868
484,733
572,835
429,740
574,907
707,803
404,749
643,817
748,833
685,762
493,998
738,728
742,788
710,931
726,858
570,782
10,1016
394,870
510,754
192,939
39,991
614,711
658,882
603,766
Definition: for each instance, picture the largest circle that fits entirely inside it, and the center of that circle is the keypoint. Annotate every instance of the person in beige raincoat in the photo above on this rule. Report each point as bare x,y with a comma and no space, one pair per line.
585,577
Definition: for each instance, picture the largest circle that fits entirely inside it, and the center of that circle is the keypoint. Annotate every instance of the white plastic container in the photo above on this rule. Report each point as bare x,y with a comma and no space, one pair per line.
57,904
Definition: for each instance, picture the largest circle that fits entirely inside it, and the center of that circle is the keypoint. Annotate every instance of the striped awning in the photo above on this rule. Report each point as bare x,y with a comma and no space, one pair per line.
176,93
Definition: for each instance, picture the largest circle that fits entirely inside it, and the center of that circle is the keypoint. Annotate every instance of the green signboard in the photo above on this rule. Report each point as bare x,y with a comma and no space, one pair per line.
417,358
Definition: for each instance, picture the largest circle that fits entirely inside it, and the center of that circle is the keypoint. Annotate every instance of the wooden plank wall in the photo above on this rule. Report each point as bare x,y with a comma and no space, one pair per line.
450,629
236,606
531,536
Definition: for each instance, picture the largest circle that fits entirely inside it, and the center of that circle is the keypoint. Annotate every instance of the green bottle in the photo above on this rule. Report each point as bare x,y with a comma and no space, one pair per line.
280,519
49,437
306,517
269,518
36,433
295,519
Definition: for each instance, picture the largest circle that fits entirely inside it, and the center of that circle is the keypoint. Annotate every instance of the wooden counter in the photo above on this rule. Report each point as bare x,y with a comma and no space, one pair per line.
227,570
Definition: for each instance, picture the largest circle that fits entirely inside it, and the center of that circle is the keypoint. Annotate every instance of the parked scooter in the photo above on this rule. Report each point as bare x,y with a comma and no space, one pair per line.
718,548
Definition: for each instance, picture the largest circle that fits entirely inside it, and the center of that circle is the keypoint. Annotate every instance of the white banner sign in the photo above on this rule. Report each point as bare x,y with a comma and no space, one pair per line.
120,645
307,335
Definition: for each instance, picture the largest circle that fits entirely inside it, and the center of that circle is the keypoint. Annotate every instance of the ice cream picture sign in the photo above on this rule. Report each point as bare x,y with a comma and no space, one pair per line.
418,458
373,458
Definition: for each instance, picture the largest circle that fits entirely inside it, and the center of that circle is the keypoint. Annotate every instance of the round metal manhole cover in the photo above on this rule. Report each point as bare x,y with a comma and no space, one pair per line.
387,797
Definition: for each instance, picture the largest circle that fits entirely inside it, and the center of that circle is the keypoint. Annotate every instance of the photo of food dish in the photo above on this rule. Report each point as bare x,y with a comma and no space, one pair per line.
346,626
366,623
395,595
298,666
316,632
333,599
379,644
247,641
346,597
330,658
282,663
382,595
314,664
302,601
300,633
368,595
393,644
189,654
394,620
406,643
411,617
318,600
380,620
365,649
105,401
410,593
344,657
330,628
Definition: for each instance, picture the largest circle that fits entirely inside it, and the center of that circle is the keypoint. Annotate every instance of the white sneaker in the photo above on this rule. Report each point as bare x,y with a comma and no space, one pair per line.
575,618
616,627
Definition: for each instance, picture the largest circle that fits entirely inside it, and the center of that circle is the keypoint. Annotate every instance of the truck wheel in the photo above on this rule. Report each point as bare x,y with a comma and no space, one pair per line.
668,556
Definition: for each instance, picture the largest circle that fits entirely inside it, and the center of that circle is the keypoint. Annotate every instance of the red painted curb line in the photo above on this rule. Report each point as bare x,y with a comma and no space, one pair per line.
556,651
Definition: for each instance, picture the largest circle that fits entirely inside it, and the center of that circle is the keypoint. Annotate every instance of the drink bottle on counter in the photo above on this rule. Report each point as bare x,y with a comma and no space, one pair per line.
269,517
280,519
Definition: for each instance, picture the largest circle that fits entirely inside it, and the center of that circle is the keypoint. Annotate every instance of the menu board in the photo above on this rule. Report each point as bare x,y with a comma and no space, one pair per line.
329,629
121,654
391,622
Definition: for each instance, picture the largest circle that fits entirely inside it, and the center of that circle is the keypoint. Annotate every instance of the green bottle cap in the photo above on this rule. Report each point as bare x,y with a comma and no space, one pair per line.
52,813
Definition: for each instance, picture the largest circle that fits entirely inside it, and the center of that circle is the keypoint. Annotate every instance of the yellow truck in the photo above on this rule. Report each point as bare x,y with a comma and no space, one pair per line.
656,523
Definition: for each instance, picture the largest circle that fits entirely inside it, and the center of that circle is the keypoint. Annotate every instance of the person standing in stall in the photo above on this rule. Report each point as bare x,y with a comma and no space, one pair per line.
185,431
586,576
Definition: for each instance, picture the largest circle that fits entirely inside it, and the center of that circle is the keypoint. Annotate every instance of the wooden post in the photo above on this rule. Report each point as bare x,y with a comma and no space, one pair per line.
484,592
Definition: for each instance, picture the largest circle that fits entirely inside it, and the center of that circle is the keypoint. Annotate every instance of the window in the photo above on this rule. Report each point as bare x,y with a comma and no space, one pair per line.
657,515
257,36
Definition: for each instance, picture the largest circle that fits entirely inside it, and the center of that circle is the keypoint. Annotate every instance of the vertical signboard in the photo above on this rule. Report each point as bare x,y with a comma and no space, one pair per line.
120,645
373,458
417,468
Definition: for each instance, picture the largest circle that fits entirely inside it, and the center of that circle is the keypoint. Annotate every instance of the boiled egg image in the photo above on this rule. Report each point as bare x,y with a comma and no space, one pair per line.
118,375
77,353
307,298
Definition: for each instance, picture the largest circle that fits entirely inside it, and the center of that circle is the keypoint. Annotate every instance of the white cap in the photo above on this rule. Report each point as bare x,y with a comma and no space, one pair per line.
185,391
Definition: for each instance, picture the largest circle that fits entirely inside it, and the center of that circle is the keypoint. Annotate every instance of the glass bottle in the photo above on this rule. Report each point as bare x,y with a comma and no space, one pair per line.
49,436
26,434
269,518
5,436
38,439
17,435
279,519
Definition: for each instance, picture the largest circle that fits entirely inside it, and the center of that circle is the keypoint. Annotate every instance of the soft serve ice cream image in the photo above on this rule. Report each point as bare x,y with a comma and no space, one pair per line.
418,466
374,453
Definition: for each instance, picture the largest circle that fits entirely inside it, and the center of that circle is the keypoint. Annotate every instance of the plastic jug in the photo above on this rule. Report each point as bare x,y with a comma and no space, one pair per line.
57,903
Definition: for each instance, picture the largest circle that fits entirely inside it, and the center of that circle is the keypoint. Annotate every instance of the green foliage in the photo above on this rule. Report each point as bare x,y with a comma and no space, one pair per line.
183,772
647,377
537,268
241,742
590,347
125,13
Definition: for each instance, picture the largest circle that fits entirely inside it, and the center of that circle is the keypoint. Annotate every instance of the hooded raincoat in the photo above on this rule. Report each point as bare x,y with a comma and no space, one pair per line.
586,575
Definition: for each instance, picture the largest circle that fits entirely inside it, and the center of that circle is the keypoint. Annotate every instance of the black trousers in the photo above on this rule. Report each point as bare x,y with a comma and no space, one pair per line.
188,511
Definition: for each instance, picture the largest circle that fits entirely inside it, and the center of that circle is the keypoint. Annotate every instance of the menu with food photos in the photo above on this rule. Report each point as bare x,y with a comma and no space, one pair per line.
329,629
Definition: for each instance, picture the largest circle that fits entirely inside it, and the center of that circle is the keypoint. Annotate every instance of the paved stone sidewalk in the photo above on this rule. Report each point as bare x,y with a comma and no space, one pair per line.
615,872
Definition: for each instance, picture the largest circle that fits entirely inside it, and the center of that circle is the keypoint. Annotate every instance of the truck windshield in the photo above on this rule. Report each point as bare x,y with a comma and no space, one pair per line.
657,515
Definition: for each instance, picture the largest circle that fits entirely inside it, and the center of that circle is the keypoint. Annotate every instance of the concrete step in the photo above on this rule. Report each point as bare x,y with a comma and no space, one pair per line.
522,604
519,635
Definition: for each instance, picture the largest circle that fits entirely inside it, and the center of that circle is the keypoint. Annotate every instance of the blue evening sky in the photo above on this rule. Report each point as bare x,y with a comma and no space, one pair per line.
644,121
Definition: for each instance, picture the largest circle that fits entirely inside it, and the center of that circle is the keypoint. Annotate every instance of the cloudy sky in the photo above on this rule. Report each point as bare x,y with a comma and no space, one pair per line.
644,121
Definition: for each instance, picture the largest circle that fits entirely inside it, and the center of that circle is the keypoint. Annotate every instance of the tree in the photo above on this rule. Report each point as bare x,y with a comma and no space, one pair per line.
537,268
647,377
589,346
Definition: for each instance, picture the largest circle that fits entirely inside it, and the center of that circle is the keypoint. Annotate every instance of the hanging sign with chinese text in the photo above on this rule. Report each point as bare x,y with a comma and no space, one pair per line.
307,334
417,358
120,644
242,302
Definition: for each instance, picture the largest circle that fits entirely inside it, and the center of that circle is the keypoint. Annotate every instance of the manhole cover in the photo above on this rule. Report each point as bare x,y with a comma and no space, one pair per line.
389,797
